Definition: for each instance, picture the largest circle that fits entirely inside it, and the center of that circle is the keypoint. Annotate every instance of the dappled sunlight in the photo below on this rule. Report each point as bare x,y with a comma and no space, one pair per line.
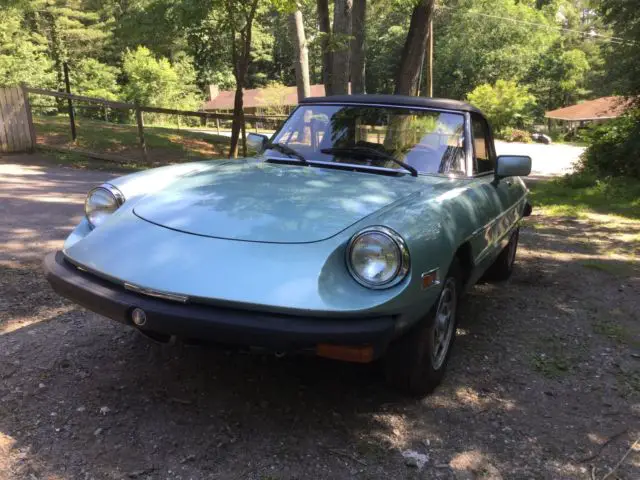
20,170
475,462
470,397
44,314
396,432
7,454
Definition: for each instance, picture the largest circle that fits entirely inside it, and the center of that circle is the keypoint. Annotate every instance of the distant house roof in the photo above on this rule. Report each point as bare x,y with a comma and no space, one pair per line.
260,97
598,109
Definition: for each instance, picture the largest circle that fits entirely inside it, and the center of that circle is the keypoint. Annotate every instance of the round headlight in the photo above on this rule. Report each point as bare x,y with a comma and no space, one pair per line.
377,257
102,202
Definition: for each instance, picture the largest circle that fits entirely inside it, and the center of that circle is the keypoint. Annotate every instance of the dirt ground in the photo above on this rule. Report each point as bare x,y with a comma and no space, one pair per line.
544,381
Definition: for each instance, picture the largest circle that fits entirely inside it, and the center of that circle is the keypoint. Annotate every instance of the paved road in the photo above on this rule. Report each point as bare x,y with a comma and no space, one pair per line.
547,159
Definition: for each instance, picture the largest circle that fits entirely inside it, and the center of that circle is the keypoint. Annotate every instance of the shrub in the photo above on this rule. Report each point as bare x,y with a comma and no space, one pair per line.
514,135
506,103
91,78
614,148
156,82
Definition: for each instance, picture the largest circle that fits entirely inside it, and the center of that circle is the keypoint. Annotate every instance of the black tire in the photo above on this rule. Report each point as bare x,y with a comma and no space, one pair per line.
410,364
502,267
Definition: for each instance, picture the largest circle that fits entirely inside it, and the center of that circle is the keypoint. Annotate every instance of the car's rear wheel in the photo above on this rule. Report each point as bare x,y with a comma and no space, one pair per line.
502,268
415,363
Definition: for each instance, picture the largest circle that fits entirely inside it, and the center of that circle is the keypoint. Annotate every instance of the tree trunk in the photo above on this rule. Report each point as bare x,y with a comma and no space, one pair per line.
408,74
341,32
240,67
325,27
302,54
57,55
358,46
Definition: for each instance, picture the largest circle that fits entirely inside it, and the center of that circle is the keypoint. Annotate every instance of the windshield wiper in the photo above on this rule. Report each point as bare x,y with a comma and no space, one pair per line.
371,153
287,150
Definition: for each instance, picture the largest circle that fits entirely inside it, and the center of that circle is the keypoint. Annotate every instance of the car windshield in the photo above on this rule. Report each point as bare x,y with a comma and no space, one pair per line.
430,141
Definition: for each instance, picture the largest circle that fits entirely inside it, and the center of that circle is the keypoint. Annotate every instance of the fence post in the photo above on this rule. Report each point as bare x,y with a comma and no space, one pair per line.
67,86
27,107
140,122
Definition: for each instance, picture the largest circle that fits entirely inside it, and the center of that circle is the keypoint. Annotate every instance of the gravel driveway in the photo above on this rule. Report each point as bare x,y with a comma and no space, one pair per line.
544,381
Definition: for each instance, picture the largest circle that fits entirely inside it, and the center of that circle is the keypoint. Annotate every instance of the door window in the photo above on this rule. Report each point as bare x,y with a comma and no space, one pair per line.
483,156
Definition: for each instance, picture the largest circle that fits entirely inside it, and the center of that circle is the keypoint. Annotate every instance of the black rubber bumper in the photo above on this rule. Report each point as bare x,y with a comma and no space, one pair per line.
211,323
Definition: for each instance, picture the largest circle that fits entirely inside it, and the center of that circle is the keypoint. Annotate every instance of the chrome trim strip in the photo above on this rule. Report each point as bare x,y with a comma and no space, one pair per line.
174,297
495,219
437,281
403,268
481,256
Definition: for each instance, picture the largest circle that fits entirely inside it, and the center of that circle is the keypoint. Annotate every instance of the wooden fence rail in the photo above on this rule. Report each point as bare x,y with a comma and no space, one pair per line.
16,126
139,110
167,111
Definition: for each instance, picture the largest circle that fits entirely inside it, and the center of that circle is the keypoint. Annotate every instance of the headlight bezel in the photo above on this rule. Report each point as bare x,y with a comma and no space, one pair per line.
404,259
116,195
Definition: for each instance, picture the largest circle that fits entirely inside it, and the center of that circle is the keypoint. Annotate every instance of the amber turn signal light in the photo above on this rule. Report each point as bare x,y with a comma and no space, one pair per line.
429,279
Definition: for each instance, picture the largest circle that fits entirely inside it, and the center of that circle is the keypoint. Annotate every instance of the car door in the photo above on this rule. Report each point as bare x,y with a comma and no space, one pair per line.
494,199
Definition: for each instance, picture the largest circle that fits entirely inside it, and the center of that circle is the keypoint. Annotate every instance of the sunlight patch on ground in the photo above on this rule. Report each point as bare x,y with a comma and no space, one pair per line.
476,463
14,324
20,170
397,431
6,447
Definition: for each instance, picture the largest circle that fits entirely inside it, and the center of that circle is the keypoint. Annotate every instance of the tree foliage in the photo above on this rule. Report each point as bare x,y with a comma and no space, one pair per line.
92,78
156,82
505,103
614,148
554,48
23,56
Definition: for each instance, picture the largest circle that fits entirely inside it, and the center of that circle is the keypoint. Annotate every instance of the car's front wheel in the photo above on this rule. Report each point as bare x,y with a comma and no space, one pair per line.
415,363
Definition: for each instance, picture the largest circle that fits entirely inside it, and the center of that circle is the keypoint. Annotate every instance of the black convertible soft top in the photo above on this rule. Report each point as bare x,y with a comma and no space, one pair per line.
400,100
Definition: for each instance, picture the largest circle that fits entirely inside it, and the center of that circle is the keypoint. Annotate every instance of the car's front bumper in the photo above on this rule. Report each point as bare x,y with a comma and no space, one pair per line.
204,322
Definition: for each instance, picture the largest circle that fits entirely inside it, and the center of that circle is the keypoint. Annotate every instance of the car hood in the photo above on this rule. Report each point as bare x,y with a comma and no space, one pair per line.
265,202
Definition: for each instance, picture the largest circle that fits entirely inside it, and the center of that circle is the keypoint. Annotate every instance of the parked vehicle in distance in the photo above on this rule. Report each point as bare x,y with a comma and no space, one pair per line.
351,235
541,138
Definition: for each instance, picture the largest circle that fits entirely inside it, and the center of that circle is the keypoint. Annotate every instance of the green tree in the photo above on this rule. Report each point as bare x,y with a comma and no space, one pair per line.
473,45
156,82
92,78
505,103
622,60
23,55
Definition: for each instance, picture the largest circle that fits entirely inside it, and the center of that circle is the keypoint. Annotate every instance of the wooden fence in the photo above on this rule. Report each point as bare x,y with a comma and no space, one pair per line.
138,111
16,126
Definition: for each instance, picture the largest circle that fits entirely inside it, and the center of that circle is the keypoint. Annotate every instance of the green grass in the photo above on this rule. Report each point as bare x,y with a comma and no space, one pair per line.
555,356
163,144
617,268
578,194
616,332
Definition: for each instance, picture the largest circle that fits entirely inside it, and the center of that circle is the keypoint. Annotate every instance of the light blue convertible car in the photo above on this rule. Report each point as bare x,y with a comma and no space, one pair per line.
351,234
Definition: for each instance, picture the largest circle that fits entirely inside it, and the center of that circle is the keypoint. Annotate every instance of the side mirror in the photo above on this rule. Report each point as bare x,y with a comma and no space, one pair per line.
513,166
256,142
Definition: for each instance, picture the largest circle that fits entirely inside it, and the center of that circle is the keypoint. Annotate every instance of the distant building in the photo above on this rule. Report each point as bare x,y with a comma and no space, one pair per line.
268,100
591,111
